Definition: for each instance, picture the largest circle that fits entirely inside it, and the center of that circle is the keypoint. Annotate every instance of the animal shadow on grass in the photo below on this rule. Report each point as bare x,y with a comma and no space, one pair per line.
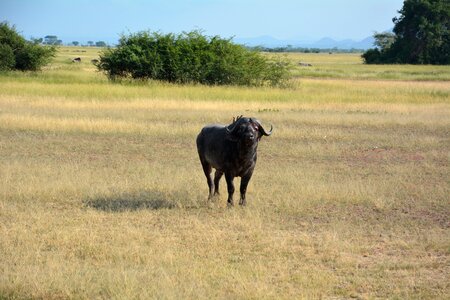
151,200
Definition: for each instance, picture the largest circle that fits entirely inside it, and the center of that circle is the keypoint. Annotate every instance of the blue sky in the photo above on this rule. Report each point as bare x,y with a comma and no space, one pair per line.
306,20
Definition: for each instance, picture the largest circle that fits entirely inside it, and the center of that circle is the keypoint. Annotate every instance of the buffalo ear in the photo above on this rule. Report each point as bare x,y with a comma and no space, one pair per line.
257,126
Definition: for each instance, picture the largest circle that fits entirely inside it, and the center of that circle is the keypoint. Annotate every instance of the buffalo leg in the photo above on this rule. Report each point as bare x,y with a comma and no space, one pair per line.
217,177
207,170
230,187
244,183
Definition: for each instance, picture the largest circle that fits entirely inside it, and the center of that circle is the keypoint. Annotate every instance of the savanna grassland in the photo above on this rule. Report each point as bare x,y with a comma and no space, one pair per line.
102,194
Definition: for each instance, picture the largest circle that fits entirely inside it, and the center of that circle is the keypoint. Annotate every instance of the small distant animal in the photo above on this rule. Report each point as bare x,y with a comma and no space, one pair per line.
304,64
76,60
231,150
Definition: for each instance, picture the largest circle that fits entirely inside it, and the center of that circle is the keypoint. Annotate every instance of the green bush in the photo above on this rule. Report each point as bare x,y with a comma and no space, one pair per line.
7,59
372,56
16,53
32,57
190,58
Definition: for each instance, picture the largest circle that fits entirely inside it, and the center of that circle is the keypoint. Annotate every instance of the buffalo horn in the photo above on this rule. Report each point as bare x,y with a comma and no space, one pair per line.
263,131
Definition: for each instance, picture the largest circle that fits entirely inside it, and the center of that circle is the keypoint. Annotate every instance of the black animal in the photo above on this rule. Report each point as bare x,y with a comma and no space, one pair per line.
231,150
76,60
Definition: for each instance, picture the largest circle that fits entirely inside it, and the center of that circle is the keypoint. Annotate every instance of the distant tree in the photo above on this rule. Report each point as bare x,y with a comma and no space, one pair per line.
37,40
50,40
75,43
16,53
100,44
90,43
384,40
422,35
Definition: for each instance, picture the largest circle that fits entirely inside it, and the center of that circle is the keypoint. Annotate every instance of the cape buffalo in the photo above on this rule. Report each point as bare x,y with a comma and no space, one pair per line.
231,150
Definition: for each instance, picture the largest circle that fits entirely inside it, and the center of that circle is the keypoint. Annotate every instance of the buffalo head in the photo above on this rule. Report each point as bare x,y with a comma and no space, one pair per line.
246,130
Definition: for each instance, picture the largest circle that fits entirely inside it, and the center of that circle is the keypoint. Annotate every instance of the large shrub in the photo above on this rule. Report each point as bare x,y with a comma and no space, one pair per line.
16,53
190,58
7,58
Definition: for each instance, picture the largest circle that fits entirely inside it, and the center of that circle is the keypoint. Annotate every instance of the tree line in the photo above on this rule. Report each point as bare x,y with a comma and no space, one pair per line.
291,49
54,41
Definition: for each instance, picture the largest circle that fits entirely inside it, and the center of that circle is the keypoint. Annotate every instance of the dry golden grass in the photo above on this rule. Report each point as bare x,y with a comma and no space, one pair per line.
343,66
102,194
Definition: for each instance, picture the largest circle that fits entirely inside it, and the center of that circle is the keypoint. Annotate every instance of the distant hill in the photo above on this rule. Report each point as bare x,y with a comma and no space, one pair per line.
324,43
